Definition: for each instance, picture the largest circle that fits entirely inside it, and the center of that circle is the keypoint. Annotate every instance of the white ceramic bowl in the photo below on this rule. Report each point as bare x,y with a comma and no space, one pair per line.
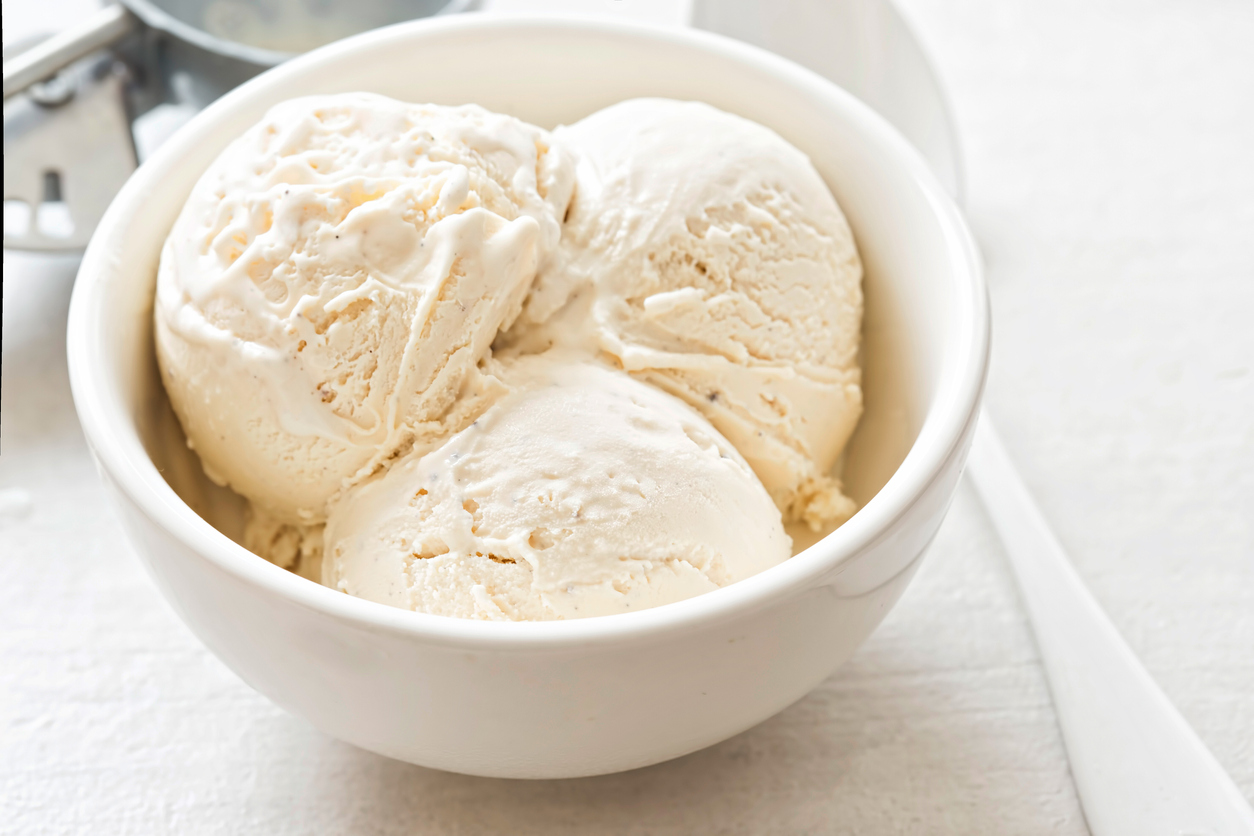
564,698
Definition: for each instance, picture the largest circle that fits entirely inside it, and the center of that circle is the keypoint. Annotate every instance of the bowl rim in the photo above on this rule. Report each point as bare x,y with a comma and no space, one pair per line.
122,459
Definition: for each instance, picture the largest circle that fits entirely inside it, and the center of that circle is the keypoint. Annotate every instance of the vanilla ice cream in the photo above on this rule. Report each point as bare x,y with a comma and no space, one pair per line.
706,254
462,366
582,492
335,278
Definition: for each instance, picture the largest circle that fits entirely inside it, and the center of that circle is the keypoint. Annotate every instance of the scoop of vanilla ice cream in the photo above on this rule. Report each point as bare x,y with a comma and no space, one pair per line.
706,254
336,276
582,492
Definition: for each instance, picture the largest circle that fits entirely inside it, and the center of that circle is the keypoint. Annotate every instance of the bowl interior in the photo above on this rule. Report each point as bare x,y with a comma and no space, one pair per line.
551,73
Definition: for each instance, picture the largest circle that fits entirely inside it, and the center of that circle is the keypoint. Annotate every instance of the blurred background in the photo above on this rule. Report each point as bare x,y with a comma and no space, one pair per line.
1106,171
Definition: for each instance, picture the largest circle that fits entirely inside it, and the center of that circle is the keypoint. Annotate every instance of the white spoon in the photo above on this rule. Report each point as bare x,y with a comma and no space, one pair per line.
1138,767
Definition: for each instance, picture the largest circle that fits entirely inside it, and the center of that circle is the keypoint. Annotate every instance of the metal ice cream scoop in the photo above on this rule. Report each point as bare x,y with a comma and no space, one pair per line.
77,104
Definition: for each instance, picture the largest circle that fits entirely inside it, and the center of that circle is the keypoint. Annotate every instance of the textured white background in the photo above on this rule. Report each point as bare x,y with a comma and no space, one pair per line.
1111,185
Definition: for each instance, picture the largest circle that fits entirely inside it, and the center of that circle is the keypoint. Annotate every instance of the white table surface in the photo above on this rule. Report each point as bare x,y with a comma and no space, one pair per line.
1111,186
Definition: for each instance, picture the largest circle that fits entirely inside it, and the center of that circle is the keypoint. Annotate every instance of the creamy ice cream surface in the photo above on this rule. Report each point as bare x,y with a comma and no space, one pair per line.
336,276
582,492
706,254
463,366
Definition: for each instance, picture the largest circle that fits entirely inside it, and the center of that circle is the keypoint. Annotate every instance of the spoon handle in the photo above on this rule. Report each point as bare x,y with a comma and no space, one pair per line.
1138,766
